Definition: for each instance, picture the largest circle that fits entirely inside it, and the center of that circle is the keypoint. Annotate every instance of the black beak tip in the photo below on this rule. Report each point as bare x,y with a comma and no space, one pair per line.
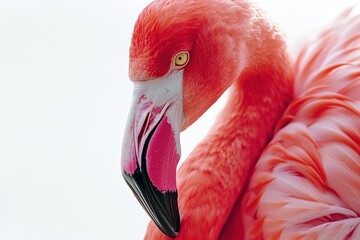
162,207
170,231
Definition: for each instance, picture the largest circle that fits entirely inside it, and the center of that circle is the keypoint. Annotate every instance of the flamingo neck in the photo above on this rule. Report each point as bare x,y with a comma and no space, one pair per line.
257,100
247,122
223,161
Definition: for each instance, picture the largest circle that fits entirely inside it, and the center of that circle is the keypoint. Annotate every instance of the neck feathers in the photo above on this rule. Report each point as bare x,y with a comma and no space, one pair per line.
261,93
223,161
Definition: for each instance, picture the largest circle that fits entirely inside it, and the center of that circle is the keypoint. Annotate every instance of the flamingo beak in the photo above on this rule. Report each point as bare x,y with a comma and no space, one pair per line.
151,148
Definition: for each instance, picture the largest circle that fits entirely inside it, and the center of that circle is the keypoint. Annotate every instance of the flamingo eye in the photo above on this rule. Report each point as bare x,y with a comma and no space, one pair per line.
181,59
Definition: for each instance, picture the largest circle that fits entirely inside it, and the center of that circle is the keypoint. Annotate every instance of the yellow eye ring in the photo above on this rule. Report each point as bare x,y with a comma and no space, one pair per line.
181,59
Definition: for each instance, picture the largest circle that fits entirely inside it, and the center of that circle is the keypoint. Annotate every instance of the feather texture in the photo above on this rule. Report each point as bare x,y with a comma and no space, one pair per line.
306,184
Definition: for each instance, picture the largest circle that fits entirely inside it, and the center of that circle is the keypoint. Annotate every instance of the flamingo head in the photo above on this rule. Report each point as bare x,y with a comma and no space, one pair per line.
183,56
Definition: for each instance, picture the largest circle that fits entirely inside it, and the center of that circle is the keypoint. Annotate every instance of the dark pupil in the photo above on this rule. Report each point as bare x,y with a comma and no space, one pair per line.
180,58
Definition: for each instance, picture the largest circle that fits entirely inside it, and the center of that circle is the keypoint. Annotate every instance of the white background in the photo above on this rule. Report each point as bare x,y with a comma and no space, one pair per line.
64,97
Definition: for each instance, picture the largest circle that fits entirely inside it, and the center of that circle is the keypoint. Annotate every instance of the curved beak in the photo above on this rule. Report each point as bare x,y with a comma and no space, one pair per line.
151,148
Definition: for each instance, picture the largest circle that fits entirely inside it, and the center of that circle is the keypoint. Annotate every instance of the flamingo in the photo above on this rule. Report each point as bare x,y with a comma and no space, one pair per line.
282,160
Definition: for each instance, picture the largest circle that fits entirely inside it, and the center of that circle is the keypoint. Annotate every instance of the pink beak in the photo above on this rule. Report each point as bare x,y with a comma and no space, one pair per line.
151,149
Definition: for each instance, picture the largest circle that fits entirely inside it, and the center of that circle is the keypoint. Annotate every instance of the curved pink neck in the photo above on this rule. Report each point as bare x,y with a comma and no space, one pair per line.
223,161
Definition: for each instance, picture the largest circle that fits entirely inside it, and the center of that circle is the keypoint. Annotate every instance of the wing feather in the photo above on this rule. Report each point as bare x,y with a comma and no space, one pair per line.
306,184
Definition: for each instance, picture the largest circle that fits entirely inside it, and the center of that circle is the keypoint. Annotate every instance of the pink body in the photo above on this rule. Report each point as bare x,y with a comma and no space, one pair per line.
283,159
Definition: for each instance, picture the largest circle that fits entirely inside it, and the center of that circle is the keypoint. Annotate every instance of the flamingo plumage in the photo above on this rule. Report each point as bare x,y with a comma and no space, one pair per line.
283,158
